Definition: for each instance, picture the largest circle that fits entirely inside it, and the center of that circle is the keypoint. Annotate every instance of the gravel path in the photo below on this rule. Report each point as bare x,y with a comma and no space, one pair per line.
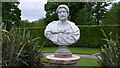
81,55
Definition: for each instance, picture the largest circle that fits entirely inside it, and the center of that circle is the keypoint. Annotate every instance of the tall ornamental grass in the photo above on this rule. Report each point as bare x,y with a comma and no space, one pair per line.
19,48
110,53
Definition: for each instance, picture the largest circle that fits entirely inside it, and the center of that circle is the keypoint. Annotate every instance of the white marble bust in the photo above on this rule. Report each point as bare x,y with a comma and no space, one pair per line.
62,32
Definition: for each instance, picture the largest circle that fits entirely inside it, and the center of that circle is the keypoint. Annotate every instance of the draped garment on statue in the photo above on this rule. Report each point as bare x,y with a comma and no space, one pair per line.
70,35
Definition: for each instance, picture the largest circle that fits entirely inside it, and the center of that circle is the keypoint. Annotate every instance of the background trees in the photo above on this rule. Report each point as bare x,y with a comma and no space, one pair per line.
112,17
98,11
111,51
10,14
82,13
51,7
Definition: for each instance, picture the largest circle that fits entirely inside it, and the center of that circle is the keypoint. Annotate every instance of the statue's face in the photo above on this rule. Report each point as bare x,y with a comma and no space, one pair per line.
62,14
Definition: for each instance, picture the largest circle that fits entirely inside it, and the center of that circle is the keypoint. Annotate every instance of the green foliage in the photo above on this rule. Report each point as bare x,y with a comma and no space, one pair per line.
89,36
39,32
80,12
84,17
110,53
19,48
10,14
99,10
51,15
113,29
25,23
112,17
40,23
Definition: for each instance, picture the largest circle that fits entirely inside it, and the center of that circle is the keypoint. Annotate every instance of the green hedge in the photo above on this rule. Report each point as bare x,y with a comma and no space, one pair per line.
93,36
90,36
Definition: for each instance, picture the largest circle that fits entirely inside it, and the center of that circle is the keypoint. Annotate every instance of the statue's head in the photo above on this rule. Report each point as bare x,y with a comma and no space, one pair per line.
63,12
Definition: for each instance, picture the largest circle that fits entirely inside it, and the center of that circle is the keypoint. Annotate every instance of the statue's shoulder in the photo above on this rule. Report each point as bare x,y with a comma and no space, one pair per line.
73,25
70,22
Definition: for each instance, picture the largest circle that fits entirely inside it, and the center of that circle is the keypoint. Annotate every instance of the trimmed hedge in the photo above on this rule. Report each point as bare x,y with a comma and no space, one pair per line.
90,36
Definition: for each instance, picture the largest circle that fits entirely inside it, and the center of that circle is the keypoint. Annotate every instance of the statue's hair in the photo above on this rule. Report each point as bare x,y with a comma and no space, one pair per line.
62,6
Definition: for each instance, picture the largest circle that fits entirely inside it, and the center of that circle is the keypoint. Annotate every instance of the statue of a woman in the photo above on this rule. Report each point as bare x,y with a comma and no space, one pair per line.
62,32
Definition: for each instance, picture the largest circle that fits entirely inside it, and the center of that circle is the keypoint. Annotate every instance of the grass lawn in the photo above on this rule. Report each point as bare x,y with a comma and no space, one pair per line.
85,61
74,50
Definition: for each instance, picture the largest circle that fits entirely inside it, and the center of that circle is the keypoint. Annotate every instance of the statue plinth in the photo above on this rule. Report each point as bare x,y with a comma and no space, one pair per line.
56,62
63,55
62,58
63,52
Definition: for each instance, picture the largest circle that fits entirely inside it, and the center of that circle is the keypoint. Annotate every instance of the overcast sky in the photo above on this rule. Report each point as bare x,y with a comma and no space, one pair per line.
32,10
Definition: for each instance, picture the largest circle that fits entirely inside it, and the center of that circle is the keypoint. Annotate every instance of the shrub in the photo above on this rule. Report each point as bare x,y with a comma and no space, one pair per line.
19,48
110,53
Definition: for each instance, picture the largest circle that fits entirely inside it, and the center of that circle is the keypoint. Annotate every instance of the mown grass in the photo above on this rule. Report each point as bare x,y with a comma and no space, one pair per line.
85,61
74,50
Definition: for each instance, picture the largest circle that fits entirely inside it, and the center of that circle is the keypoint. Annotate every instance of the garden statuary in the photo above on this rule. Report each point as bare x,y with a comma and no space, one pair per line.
62,32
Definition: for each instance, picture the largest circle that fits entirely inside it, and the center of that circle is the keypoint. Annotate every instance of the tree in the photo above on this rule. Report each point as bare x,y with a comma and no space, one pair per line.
26,23
86,11
84,16
99,10
40,23
10,14
112,17
93,13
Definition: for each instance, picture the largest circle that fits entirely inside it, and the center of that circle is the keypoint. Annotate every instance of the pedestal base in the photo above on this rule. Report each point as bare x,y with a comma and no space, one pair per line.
64,62
63,55
63,52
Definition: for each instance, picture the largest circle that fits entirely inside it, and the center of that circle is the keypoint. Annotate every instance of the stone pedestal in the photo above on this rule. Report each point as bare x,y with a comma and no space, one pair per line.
63,52
56,62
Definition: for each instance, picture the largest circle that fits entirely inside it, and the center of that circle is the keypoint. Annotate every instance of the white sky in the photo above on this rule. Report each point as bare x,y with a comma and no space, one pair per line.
116,0
32,10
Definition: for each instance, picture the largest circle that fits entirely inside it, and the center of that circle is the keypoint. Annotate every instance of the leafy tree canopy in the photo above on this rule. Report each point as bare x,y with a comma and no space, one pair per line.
80,12
10,14
112,17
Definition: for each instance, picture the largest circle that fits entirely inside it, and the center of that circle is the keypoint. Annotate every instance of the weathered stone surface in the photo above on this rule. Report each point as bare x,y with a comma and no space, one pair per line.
56,60
63,31
63,52
63,55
